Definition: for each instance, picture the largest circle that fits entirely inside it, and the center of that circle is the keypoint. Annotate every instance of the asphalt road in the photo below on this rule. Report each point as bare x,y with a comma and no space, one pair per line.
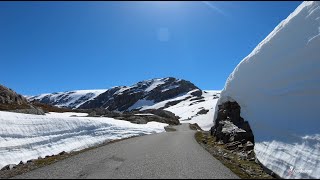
165,155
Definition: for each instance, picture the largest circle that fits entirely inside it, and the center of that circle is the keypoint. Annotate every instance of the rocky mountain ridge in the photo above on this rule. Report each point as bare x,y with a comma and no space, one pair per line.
122,98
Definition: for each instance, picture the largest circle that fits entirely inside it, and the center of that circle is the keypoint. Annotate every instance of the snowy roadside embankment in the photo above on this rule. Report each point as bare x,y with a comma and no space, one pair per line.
24,137
278,88
188,110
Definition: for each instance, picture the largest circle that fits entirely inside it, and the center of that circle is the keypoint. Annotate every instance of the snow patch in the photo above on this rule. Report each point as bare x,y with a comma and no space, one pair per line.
66,114
147,114
141,103
155,83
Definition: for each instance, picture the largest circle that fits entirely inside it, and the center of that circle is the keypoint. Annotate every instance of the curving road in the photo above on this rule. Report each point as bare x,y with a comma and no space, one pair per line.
165,155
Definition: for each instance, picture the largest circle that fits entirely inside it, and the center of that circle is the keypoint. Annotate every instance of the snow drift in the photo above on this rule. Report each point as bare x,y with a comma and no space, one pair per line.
24,137
278,88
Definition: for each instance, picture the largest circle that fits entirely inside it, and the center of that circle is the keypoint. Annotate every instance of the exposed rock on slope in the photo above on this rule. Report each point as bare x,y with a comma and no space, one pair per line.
230,128
11,101
8,96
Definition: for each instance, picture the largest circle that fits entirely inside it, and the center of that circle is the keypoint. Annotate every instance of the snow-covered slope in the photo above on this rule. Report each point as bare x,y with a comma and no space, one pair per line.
24,137
71,99
192,109
278,88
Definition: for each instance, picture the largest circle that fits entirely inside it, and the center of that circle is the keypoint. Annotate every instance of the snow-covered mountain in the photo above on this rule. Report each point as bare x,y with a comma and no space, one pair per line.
122,98
141,94
278,89
70,99
179,96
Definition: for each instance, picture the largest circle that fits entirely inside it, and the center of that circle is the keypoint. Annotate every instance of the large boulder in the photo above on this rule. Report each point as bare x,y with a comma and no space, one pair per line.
230,126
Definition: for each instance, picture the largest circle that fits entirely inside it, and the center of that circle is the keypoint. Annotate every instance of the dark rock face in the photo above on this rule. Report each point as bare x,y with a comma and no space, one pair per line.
203,111
112,99
160,93
230,128
197,93
102,100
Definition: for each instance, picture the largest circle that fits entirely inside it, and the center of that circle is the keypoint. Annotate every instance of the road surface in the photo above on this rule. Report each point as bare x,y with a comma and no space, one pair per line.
165,155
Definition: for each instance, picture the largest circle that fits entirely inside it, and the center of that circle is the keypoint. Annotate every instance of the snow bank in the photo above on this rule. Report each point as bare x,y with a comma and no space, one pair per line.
24,137
66,114
278,88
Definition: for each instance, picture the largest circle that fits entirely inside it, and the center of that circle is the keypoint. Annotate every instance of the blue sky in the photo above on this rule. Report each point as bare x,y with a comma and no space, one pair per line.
60,46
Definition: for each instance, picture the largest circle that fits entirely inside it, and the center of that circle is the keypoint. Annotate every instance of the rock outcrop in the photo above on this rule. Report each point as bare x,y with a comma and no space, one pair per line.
14,102
231,129
10,100
138,117
8,96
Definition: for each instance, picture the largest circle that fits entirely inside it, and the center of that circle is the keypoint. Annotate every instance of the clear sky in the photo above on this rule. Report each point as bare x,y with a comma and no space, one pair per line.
60,46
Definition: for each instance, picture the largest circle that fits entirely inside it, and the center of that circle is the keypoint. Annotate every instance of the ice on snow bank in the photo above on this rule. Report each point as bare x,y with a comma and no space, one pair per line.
24,137
278,88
